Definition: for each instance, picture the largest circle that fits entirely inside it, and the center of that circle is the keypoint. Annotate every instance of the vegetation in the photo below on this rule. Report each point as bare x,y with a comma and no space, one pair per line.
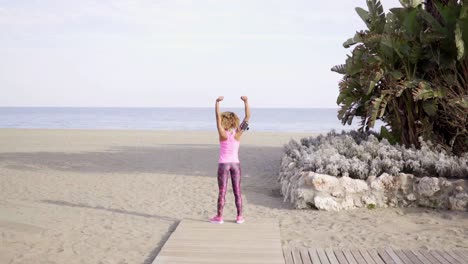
409,68
357,155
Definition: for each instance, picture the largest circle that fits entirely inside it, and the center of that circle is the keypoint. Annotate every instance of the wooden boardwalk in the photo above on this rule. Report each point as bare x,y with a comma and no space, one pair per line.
203,243
199,242
373,256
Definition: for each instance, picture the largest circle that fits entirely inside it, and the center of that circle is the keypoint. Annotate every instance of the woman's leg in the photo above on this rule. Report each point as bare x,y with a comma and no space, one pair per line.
223,170
236,182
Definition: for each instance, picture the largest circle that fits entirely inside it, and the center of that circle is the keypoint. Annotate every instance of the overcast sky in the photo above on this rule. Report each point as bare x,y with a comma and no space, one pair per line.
162,53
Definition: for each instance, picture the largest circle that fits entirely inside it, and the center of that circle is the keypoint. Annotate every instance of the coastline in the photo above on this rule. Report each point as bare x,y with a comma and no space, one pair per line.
116,195
87,140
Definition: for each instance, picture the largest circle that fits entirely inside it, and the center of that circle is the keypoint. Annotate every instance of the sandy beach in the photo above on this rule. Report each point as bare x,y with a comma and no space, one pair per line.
96,196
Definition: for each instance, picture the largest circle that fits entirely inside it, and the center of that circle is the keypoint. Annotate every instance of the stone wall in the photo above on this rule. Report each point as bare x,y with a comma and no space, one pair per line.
307,189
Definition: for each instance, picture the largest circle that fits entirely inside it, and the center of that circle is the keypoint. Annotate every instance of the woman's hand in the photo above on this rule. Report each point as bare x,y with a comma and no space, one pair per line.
220,99
244,98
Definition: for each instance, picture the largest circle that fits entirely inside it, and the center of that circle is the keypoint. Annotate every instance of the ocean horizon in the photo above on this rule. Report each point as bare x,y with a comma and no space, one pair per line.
317,120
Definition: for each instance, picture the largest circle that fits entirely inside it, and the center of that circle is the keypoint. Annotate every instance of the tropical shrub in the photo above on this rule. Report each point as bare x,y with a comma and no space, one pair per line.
409,68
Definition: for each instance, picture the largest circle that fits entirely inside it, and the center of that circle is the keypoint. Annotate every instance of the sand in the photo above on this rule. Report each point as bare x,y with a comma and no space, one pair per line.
94,196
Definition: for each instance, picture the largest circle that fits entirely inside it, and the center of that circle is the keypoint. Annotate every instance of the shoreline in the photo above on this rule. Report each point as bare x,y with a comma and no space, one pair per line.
101,139
85,196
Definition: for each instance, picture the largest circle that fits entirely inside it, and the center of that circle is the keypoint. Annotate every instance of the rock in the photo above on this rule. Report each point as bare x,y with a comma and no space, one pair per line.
331,204
322,182
326,203
337,194
405,182
369,200
357,202
307,189
376,185
411,197
370,178
384,182
303,196
353,185
386,179
393,202
445,183
459,202
428,186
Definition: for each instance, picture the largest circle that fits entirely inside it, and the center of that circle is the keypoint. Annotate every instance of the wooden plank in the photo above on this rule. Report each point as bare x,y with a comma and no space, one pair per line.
366,256
384,255
448,257
456,256
428,256
357,256
340,256
375,256
438,257
414,259
464,252
314,256
305,256
202,242
349,256
287,253
296,256
198,260
402,256
394,256
331,256
462,255
322,256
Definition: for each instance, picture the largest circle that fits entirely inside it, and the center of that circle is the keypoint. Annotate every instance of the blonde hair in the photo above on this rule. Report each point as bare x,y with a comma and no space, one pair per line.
229,120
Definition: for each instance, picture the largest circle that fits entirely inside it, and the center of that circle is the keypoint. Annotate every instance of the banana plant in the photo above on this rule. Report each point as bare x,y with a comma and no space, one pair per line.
399,69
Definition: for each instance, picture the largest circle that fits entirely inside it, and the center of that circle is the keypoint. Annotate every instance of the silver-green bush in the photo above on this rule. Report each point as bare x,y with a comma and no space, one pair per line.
359,155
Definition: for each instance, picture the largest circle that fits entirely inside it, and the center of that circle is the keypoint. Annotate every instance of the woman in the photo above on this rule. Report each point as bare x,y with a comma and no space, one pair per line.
230,132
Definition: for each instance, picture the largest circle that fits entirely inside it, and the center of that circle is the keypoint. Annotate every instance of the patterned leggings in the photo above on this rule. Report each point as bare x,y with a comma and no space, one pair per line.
224,169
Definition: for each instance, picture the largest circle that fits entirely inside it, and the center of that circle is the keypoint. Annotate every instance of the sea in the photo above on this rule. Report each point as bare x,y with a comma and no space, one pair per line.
262,119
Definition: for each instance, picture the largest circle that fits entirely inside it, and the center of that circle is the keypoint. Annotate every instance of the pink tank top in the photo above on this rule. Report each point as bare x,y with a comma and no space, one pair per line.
229,152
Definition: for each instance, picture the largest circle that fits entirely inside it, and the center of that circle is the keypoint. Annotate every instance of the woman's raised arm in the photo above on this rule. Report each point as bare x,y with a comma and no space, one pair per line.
247,108
221,131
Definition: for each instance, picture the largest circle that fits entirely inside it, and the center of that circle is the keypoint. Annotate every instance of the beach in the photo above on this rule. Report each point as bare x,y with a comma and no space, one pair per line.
115,196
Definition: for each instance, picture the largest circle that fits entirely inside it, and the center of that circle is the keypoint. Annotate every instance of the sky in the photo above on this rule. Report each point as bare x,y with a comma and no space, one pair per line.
174,53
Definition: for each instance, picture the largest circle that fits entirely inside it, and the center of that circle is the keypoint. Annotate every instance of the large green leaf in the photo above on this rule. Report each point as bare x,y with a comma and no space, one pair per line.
424,91
463,102
341,69
432,22
399,14
461,32
459,42
352,41
411,22
411,3
376,15
364,15
378,108
384,133
376,79
431,37
430,107
449,14
396,74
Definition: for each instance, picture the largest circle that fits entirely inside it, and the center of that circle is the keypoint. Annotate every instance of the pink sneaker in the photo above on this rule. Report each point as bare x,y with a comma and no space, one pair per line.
240,219
217,220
